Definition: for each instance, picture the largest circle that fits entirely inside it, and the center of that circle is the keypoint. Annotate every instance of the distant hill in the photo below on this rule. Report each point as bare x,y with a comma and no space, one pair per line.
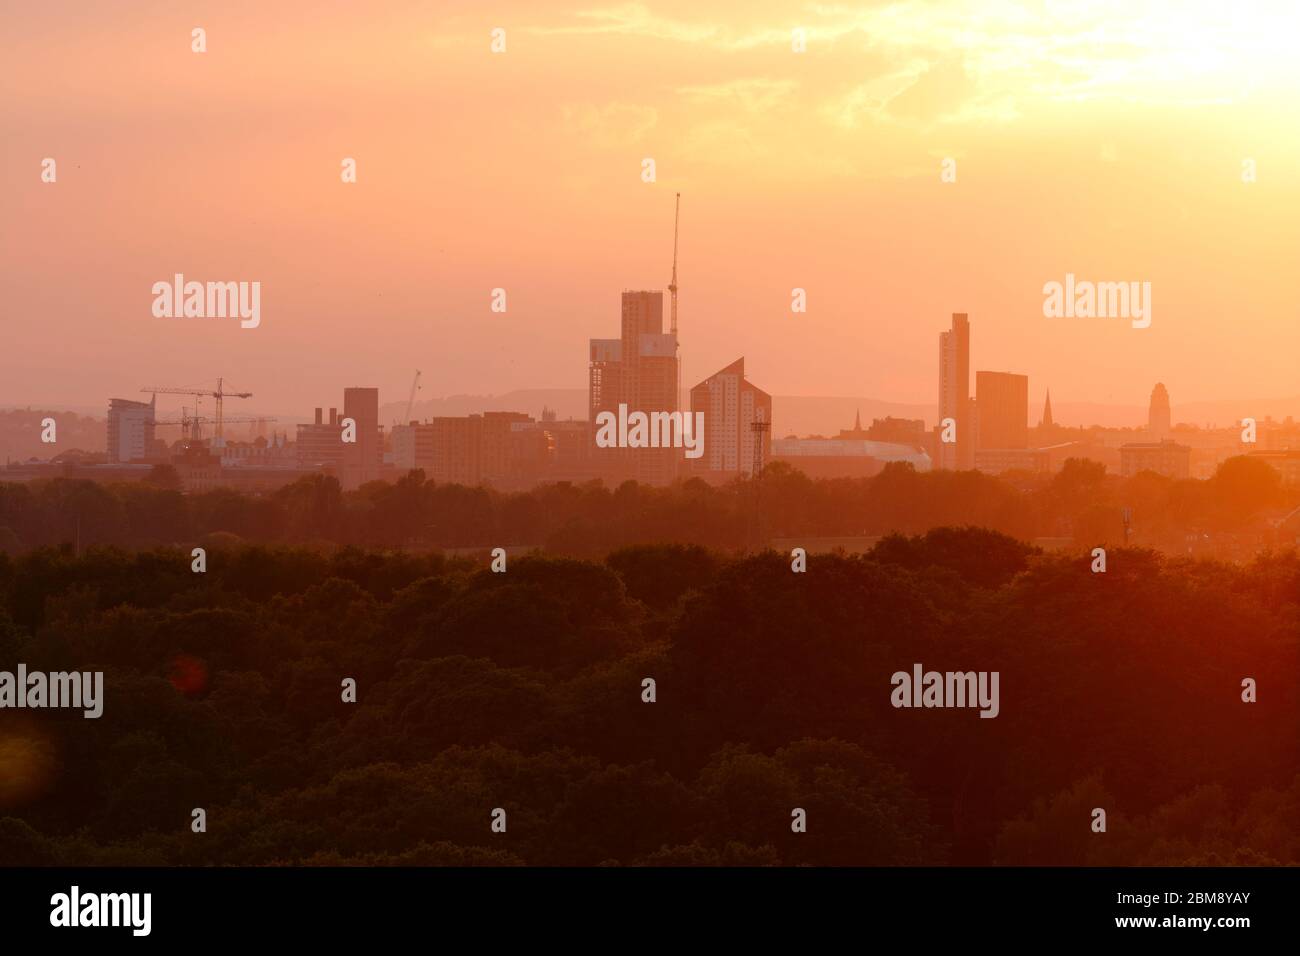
809,415
20,433
1230,412
566,402
791,414
1222,414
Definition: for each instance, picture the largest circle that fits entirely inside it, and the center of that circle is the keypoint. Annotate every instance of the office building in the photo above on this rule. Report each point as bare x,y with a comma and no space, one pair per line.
954,394
364,457
320,445
501,446
456,450
130,430
413,447
732,407
640,370
1001,411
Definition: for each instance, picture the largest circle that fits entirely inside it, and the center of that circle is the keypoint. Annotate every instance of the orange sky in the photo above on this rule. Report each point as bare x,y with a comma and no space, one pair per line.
1102,139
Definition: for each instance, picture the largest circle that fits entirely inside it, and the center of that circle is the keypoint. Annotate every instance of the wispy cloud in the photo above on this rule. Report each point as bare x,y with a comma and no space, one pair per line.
1007,53
632,19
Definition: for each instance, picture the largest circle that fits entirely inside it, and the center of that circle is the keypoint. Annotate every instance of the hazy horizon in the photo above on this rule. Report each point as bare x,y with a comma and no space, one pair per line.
799,414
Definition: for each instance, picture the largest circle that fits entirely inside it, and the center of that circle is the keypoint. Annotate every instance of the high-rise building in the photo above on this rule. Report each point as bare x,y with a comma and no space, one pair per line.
1158,415
640,370
954,394
413,447
456,447
643,314
364,458
604,392
320,444
604,377
1001,410
130,429
651,381
732,406
500,445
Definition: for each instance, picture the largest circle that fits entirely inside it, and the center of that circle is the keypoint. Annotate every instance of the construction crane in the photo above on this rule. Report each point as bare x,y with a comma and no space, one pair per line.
672,286
191,425
672,290
410,402
219,394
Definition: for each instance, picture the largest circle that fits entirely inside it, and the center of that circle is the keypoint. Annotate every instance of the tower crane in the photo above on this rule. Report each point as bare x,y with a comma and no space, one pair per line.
672,290
219,394
672,286
410,402
191,425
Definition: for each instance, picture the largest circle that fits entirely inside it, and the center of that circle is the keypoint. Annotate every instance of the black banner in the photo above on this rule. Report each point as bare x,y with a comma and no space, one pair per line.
304,905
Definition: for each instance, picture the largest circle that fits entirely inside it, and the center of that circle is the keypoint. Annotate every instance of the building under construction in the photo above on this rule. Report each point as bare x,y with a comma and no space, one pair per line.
642,370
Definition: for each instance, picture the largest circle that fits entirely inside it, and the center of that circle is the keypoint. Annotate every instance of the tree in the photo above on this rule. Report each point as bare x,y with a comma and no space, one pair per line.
1241,488
164,476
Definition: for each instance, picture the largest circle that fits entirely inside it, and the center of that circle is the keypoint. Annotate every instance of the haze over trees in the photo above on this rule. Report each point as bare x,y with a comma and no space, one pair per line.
590,520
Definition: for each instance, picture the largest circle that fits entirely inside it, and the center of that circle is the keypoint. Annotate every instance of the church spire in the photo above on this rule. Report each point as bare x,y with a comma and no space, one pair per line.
1047,411
857,420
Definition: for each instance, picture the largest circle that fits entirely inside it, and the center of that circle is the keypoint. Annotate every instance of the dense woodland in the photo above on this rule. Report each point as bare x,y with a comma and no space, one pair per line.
590,520
523,690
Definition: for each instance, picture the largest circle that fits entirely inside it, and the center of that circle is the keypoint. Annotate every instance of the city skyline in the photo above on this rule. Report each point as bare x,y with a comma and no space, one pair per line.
639,426
640,373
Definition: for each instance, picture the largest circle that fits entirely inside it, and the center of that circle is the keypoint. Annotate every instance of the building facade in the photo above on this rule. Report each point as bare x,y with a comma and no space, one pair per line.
733,407
640,369
954,394
319,446
130,430
363,459
1166,458
1001,411
413,447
